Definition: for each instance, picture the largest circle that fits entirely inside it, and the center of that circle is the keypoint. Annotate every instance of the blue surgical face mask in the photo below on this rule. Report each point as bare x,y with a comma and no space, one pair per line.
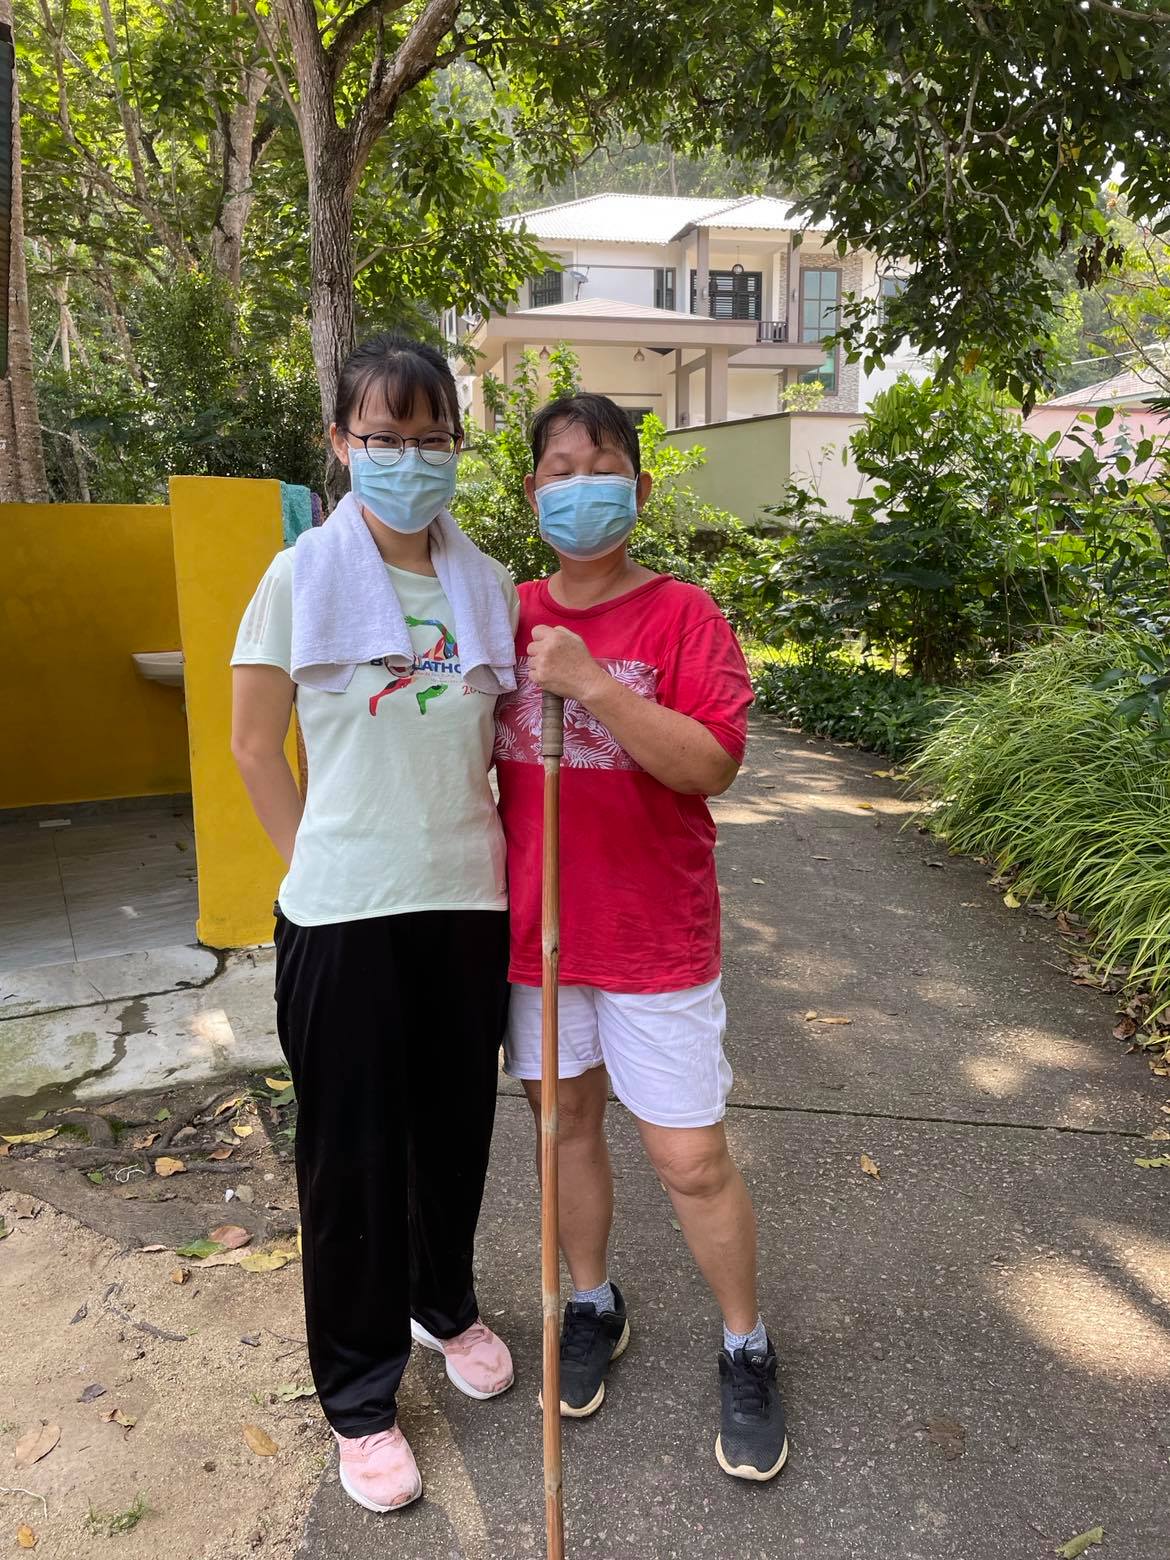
406,496
587,517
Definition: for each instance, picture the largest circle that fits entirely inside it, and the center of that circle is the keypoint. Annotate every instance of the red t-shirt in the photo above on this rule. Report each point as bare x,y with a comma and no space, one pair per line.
639,899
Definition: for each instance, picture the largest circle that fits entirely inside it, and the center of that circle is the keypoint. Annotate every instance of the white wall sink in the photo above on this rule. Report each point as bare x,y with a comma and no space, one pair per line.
161,666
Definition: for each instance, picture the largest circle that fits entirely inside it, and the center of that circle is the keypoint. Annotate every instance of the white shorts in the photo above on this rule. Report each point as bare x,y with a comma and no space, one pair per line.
663,1051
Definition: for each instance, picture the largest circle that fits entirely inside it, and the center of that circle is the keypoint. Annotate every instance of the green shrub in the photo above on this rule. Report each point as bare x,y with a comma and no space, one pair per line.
1040,769
674,531
850,702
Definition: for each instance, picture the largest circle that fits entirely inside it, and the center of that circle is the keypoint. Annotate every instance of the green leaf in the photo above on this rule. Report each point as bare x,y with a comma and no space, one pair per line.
1110,679
95,1176
1161,1163
163,1115
1077,1546
199,1248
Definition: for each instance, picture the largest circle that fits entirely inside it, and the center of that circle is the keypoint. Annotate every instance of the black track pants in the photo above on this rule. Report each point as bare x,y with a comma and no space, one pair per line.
392,1028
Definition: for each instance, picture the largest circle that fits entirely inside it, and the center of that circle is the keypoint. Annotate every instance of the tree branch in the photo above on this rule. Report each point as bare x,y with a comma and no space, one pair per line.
274,60
353,29
414,61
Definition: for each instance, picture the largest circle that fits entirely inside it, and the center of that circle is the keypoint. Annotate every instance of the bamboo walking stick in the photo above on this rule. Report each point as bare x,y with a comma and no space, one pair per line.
552,742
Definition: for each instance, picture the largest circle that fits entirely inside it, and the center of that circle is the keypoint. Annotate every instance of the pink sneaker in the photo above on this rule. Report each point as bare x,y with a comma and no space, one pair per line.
378,1471
478,1362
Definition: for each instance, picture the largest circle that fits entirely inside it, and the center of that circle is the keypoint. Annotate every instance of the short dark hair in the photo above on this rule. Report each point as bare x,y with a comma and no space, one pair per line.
402,370
602,419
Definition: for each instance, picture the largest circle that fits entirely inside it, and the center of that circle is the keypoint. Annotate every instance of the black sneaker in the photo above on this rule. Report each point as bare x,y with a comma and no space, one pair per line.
751,1443
589,1341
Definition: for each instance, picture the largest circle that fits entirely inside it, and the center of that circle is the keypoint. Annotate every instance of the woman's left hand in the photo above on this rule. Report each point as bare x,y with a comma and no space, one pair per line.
559,661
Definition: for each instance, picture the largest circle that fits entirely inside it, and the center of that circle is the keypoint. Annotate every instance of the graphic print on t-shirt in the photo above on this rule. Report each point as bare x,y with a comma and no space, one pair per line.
588,743
442,660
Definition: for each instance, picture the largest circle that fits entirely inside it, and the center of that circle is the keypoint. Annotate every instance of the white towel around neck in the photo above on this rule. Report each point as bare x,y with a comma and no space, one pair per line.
346,612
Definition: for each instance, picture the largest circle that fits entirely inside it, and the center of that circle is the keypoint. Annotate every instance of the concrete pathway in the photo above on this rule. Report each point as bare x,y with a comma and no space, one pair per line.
976,1347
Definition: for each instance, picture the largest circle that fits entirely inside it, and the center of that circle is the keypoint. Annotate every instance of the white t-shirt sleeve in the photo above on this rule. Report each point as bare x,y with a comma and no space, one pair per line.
265,636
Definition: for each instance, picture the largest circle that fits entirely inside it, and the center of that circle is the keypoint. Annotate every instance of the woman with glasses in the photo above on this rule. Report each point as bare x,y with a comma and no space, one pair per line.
391,931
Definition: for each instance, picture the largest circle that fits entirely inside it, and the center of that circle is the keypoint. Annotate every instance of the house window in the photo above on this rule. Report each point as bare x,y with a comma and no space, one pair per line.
636,414
732,296
664,287
546,289
820,297
888,287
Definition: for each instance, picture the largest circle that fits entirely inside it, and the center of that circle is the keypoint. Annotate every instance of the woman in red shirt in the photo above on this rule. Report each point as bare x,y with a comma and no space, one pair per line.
657,695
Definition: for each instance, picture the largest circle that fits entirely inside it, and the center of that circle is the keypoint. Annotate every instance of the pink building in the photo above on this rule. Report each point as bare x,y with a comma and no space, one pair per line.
1129,393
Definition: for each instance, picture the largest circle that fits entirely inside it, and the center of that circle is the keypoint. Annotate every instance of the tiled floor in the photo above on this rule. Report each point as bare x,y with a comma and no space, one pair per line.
110,881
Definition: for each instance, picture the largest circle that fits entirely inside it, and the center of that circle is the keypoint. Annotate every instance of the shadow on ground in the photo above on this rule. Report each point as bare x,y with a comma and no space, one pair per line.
975,1347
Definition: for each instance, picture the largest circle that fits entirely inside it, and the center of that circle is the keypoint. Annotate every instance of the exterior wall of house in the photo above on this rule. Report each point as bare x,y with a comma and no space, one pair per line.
747,462
624,272
1130,425
88,586
819,444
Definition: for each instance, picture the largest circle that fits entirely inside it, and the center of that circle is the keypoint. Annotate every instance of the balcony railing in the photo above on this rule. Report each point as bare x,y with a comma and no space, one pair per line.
772,330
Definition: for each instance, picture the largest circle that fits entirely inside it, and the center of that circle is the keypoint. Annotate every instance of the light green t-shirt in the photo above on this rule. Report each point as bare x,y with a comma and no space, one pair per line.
399,814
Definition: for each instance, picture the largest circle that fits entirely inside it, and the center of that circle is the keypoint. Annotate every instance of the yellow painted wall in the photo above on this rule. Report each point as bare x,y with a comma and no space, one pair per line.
226,533
82,587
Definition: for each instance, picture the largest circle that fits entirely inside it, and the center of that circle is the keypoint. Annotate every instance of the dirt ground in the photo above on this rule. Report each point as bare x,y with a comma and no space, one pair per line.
84,1307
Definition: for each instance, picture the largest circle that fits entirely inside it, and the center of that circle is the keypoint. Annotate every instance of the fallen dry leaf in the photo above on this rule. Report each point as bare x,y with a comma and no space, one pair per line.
222,1152
229,1236
810,1015
1011,901
157,1246
150,1139
866,806
266,1261
870,1166
31,1137
834,1020
115,1416
260,1441
1158,1135
241,1129
25,1536
228,1104
1124,1028
164,1166
278,1085
5,1150
36,1443
224,1258
180,1275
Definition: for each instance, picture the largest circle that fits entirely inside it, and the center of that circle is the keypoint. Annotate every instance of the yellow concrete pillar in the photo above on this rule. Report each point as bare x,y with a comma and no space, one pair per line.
226,533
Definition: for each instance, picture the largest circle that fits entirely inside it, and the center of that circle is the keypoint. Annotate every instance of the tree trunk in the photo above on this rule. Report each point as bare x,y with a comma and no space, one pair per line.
61,291
241,153
331,314
22,455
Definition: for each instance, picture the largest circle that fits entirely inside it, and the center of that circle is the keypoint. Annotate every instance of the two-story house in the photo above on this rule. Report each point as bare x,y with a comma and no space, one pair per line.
699,310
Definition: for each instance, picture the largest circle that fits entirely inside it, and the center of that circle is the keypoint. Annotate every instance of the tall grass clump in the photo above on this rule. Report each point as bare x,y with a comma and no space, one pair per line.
1035,768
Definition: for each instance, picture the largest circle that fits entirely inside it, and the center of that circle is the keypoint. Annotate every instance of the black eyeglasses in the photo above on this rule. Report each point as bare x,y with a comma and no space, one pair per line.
387,449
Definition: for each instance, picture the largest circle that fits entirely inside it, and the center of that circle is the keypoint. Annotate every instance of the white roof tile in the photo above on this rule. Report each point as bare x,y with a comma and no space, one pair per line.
653,219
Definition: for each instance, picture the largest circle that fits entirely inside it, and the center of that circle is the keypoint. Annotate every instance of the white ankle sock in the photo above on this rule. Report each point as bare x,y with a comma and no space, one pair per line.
755,1342
601,1297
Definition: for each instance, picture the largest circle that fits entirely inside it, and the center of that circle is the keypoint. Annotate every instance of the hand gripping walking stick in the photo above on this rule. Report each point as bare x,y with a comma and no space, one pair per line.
552,742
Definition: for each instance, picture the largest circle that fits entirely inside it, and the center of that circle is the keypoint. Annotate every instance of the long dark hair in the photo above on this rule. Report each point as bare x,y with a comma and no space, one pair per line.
401,370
